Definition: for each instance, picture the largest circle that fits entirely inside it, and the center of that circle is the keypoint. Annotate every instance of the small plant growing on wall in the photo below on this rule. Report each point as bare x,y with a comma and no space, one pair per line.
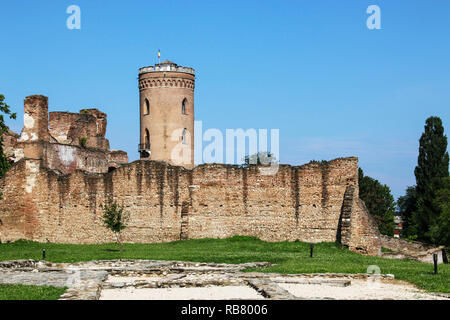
115,220
84,111
82,141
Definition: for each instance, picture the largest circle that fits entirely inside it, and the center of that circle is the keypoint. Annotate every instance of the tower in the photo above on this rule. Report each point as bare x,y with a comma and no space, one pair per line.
166,93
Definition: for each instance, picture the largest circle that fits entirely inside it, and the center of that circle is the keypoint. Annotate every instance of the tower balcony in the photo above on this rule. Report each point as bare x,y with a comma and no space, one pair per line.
144,150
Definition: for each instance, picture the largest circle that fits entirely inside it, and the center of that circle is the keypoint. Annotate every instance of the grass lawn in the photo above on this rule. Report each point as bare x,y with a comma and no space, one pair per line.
289,257
21,292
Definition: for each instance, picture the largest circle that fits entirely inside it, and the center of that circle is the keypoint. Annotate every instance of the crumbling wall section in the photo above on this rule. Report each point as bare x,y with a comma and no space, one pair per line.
69,208
296,203
399,245
63,141
169,203
67,158
86,128
18,218
365,237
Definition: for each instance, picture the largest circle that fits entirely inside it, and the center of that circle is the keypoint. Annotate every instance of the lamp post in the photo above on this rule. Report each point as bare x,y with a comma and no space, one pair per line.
435,260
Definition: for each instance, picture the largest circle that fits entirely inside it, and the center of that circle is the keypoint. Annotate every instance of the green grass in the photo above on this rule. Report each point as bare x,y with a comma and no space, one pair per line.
289,257
22,292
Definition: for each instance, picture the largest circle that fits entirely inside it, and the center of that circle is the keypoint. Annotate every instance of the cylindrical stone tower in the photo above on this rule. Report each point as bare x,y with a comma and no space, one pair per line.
166,93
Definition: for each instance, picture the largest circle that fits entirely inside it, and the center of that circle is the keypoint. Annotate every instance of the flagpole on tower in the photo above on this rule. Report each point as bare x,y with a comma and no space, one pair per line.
159,56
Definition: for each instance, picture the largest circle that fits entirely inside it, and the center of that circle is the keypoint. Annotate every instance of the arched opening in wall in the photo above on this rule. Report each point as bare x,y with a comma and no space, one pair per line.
183,136
111,169
147,107
183,106
147,140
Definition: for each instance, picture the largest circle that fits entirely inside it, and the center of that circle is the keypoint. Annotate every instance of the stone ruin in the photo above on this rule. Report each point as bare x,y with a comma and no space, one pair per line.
64,141
167,280
63,173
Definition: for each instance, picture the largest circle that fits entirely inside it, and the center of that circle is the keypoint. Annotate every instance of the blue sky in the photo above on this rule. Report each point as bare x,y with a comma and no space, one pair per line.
311,69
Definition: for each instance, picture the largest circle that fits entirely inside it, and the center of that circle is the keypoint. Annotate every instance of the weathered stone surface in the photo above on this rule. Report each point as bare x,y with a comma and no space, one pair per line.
59,278
228,201
63,141
86,280
270,289
403,249
164,91
47,196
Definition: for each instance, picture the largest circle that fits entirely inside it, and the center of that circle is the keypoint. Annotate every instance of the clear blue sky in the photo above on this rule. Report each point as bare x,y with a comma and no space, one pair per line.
309,68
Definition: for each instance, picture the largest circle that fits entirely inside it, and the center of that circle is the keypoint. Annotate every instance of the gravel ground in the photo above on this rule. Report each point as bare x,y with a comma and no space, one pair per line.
194,293
298,287
359,290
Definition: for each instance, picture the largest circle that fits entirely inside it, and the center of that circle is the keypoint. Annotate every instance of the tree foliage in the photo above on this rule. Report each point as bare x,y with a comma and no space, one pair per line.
4,110
430,172
425,207
262,157
379,201
115,220
440,228
407,205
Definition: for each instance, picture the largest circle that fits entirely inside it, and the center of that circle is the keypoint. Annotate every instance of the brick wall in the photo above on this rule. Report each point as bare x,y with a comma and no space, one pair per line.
167,203
67,128
56,139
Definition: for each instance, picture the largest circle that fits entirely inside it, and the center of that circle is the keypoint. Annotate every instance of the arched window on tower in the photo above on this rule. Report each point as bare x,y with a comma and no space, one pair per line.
147,106
147,140
183,106
183,136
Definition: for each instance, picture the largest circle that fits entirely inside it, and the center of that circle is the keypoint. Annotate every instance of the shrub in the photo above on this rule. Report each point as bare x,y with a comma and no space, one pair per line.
82,141
115,220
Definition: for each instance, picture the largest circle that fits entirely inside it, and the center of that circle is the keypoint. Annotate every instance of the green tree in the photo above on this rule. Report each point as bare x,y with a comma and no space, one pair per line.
4,110
379,201
407,205
115,220
431,169
440,229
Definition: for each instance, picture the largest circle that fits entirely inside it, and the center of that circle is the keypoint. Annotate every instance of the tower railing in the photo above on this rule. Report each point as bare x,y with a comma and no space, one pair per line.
144,146
166,67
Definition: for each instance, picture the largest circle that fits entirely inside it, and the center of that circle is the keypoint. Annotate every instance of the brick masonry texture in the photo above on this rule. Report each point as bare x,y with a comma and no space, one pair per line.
56,189
161,95
56,139
218,201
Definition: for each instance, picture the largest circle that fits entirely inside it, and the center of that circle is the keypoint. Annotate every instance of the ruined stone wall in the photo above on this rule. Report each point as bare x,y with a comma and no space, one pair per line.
169,203
365,237
39,204
67,158
297,203
9,141
398,245
116,158
68,128
64,141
